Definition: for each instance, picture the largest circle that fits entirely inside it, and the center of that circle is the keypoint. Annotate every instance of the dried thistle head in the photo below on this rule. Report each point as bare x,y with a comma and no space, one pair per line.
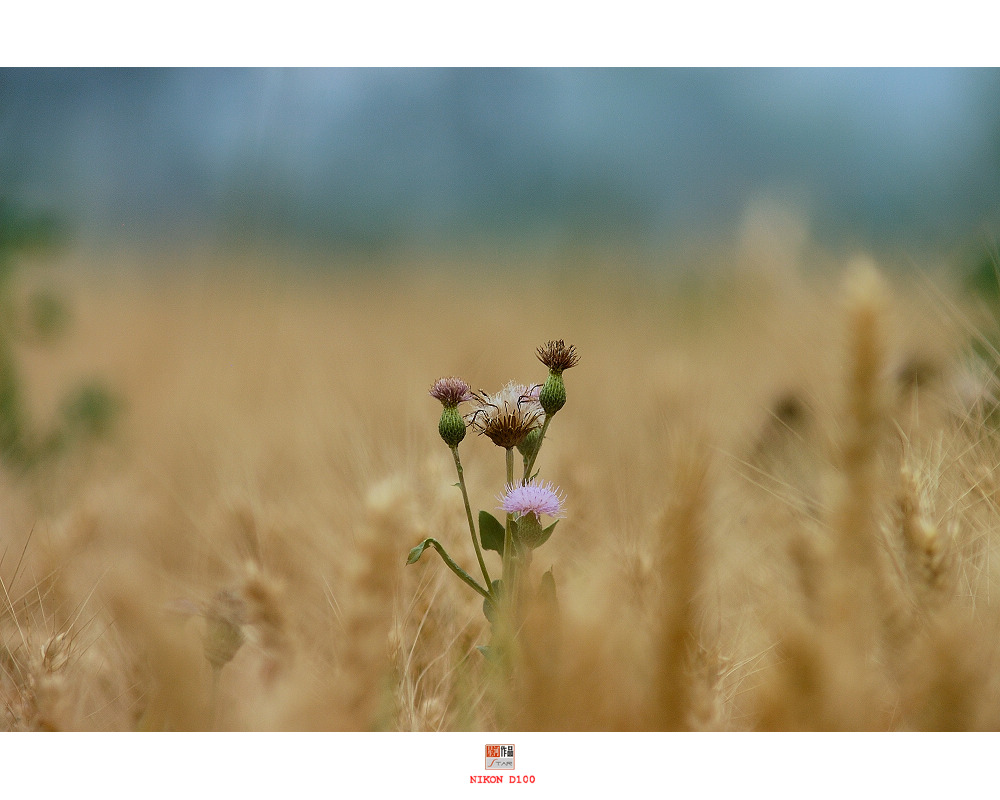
508,416
557,356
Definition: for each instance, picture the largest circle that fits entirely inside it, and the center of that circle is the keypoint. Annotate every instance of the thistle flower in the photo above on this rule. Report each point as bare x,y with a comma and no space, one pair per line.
508,416
529,501
451,391
533,497
557,356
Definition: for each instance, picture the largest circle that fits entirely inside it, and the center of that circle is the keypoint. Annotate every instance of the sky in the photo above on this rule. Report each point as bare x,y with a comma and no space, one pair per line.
376,157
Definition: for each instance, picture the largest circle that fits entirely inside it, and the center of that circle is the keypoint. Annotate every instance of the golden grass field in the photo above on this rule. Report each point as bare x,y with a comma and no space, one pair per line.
781,489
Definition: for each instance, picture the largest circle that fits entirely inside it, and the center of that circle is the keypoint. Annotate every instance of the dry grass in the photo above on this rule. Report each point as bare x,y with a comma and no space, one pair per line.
782,508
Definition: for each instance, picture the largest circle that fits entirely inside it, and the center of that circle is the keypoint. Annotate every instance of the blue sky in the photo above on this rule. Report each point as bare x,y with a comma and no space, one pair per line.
898,155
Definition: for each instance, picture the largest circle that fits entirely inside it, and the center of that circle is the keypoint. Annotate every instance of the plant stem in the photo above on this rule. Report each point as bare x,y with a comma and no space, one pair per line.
508,541
472,524
214,696
529,465
452,565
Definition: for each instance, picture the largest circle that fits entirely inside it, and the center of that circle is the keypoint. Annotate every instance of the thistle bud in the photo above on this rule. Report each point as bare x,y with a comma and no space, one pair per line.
529,444
557,356
451,426
553,394
529,531
451,392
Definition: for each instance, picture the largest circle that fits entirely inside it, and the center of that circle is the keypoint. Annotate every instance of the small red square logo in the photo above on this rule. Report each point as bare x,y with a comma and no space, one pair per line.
499,756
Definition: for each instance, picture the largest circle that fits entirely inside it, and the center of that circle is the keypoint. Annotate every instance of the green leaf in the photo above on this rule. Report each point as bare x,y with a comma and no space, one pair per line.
547,588
418,551
546,533
491,532
493,653
489,609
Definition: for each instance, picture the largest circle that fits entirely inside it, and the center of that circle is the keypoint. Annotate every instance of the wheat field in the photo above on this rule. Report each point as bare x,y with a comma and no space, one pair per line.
781,495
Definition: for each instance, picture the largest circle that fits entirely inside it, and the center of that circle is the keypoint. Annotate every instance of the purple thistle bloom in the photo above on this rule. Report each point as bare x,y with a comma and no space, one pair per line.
451,391
533,498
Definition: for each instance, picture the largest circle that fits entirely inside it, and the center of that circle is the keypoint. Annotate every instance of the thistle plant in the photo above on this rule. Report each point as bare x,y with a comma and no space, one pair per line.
515,417
558,357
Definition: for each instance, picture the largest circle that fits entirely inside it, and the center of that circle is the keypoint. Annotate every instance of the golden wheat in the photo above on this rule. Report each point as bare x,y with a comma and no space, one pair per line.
782,510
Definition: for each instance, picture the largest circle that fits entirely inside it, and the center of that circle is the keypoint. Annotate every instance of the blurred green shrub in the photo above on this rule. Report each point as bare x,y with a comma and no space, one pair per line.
23,233
983,280
48,316
89,411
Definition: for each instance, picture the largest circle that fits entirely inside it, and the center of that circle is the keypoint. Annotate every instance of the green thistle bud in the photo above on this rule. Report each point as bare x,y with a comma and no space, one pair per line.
529,531
553,394
557,356
529,444
451,426
451,392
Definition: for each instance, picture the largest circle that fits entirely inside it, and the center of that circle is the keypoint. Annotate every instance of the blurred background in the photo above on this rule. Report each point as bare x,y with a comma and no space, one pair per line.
224,294
381,161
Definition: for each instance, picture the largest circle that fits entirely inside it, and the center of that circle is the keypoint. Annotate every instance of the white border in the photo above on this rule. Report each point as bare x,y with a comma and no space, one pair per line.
439,765
513,33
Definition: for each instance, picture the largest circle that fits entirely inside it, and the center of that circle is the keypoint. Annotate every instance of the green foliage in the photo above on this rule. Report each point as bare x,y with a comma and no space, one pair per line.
23,232
12,417
489,607
92,409
414,555
418,551
491,532
983,280
48,316
547,589
546,533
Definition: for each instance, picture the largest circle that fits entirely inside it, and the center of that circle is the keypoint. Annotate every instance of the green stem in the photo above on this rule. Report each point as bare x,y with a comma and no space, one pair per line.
214,697
529,465
508,540
417,551
468,513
